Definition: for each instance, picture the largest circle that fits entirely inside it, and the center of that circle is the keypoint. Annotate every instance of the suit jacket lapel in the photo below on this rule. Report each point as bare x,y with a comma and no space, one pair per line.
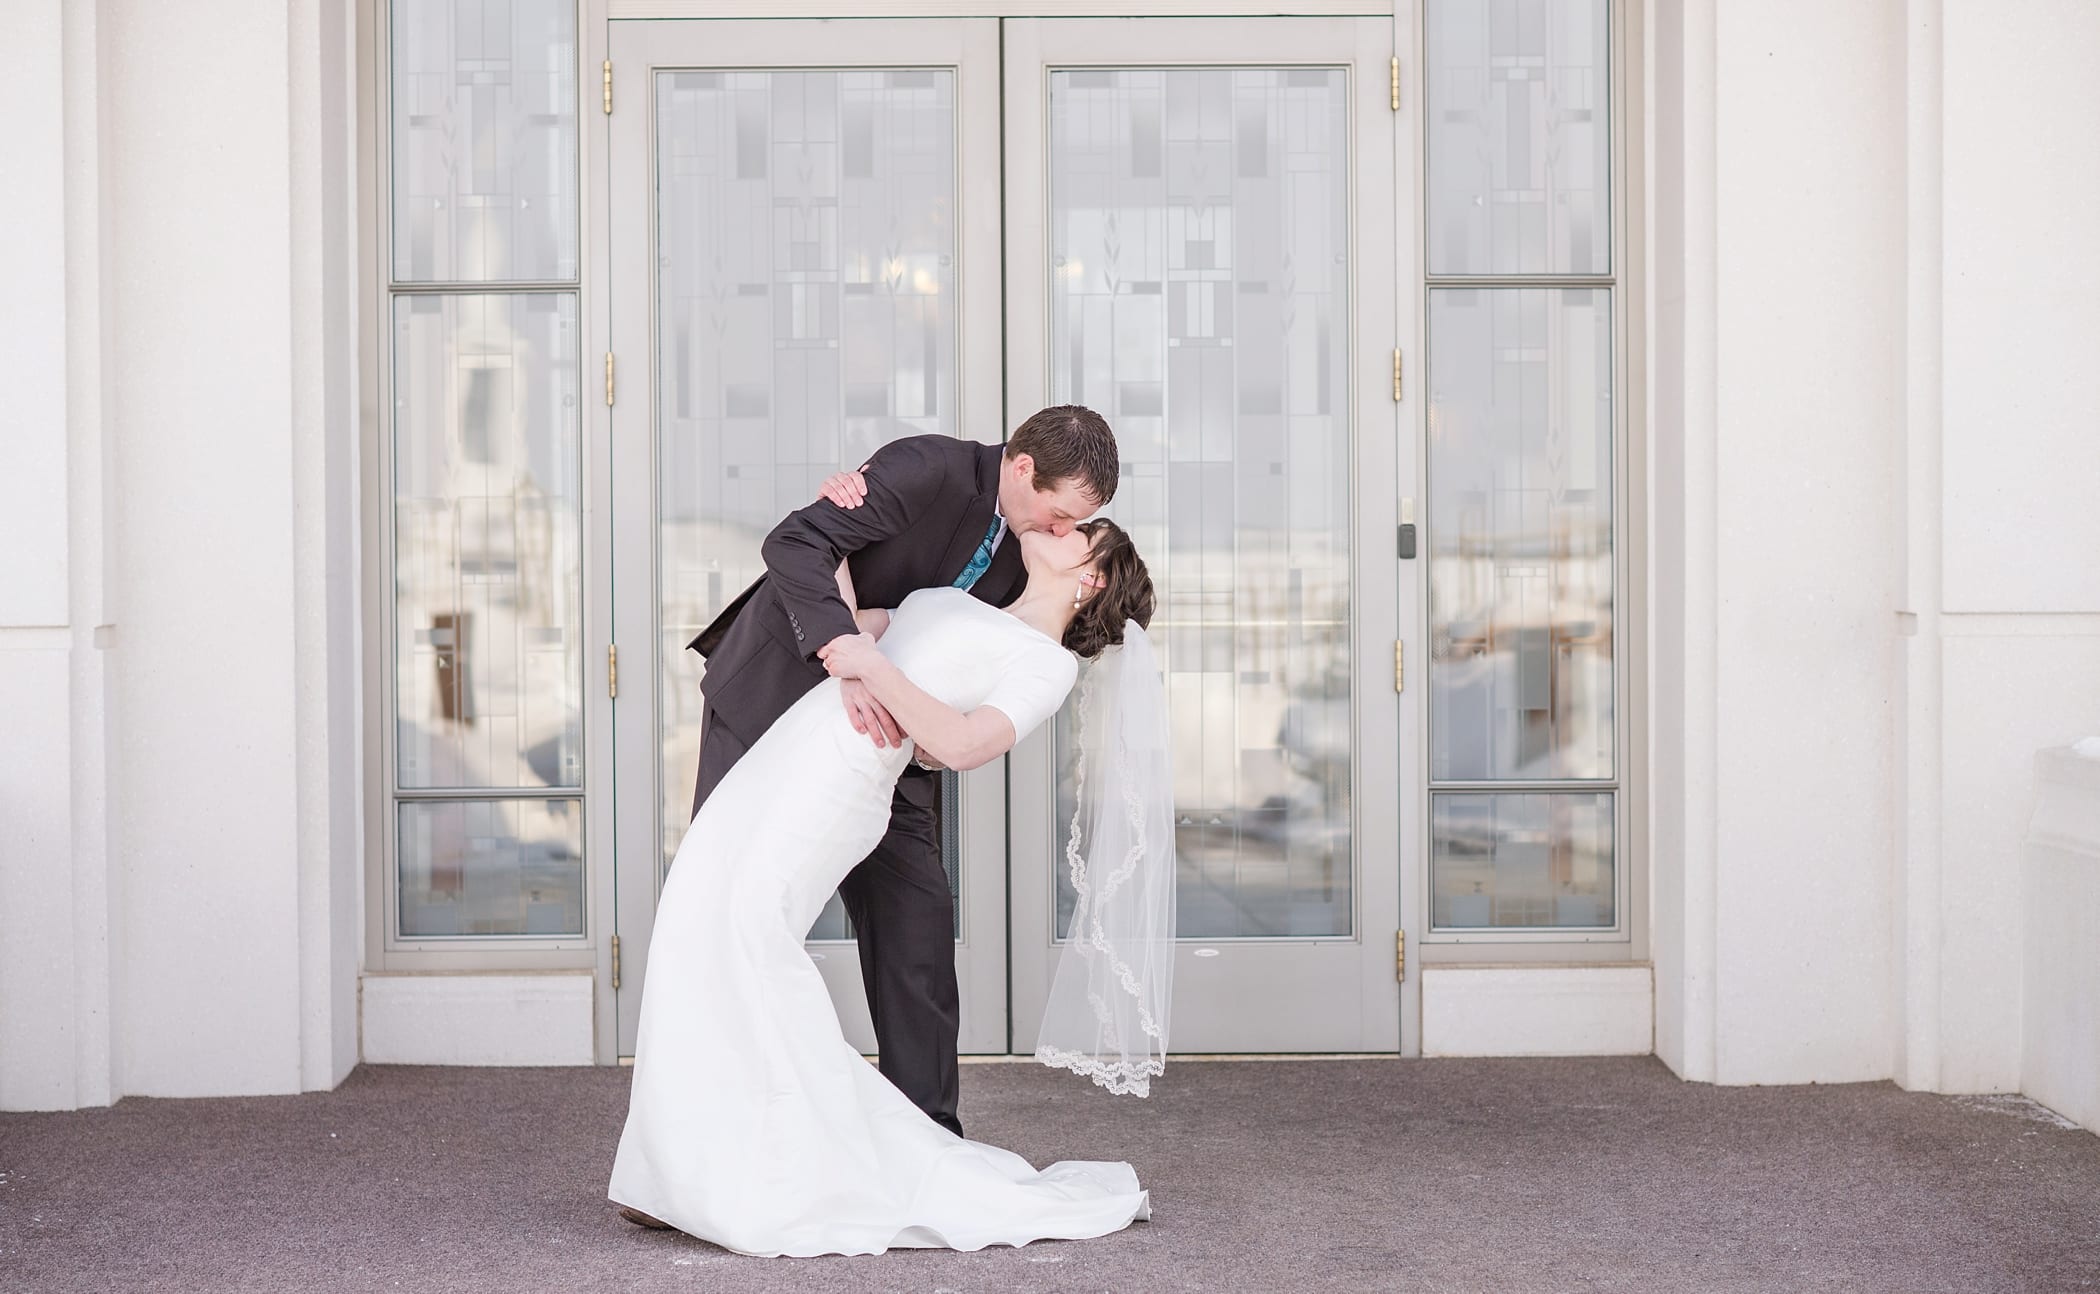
976,519
1001,581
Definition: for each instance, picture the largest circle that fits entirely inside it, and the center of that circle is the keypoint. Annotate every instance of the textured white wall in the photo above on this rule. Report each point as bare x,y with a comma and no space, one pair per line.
1802,430
55,1020
2006,695
2022,204
479,1019
1874,292
39,1021
1810,382
204,787
1538,1011
32,317
176,634
2016,525
1681,592
36,854
327,628
2060,1062
1778,265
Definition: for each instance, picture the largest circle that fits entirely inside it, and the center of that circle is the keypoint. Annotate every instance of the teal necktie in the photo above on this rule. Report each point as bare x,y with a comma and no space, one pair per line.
981,558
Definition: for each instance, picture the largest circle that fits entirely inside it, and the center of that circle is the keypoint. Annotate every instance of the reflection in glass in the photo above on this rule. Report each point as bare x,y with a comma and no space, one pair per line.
807,298
488,541
484,140
1520,534
1519,137
491,867
1199,299
1522,859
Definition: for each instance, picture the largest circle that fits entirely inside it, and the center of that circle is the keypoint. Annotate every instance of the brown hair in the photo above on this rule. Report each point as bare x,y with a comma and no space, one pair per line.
1069,442
1125,591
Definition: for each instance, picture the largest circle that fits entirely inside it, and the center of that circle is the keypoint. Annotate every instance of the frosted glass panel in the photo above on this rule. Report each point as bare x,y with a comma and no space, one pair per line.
491,867
806,316
484,148
1519,137
1520,534
1520,859
488,541
1199,299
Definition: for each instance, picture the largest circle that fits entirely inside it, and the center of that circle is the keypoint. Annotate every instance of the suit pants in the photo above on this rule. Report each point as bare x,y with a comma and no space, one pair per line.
903,918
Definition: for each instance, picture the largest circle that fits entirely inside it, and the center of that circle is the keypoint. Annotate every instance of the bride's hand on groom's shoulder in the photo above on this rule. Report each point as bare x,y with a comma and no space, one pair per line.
846,489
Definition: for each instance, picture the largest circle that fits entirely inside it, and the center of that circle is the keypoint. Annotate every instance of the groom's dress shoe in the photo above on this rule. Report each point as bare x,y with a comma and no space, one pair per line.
642,1219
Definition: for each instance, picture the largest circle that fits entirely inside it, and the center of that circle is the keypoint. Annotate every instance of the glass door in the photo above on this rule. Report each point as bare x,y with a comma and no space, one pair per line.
1202,228
804,253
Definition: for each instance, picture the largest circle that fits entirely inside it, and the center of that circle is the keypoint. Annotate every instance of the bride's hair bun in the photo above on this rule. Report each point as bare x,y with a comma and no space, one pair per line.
1125,592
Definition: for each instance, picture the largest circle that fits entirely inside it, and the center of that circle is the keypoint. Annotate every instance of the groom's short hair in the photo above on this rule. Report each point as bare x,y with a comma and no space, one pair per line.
1069,442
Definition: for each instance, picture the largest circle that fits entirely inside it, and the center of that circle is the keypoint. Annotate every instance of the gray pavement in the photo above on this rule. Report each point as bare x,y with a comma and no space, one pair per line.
1458,1175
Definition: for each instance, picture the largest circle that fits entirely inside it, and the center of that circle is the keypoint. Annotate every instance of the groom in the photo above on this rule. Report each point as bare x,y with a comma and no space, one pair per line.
939,512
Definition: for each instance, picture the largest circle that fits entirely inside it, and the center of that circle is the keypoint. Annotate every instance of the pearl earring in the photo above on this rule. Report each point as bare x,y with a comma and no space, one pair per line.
1078,592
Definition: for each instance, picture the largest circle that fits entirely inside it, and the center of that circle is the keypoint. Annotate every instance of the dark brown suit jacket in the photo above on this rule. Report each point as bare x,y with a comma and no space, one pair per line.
930,499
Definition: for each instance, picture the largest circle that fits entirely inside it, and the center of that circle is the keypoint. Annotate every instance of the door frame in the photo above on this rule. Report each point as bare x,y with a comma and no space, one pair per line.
626,328
1341,993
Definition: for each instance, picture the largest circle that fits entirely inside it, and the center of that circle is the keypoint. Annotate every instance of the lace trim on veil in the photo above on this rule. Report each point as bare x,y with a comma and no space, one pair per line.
1120,1077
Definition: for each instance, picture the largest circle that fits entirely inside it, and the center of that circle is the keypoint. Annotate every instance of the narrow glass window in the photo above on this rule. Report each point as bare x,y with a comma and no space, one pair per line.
1524,764
485,444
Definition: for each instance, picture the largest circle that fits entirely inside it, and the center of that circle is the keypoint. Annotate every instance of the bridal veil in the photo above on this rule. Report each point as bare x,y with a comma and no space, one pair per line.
1107,1013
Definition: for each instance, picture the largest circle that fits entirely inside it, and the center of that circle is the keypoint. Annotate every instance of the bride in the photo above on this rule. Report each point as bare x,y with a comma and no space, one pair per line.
752,1123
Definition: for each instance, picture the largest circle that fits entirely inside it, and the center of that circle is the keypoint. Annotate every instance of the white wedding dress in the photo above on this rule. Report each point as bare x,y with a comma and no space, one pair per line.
752,1123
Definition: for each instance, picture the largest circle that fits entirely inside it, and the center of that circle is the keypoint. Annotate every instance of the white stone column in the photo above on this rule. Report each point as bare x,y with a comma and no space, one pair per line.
1778,264
1683,741
1918,892
329,632
55,1009
177,644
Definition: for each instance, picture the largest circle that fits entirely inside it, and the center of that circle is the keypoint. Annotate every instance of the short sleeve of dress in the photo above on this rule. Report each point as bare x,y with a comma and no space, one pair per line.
1033,685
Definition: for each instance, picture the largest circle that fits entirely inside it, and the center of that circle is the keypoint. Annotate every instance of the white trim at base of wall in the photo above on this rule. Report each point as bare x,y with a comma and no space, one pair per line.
537,1019
1538,1010
546,1019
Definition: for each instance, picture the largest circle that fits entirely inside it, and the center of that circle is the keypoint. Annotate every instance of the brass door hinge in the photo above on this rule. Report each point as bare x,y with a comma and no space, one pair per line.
1396,376
609,380
612,670
608,86
1396,85
616,961
1399,665
1399,957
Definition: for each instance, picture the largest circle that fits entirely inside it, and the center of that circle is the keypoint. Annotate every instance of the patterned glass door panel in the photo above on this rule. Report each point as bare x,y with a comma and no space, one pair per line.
805,316
1199,298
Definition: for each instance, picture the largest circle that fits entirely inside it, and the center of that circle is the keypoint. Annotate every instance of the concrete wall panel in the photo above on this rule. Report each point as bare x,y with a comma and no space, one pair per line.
2022,204
1810,125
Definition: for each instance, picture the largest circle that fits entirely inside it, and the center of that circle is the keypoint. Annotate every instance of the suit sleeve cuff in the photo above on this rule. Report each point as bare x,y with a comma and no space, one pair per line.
821,626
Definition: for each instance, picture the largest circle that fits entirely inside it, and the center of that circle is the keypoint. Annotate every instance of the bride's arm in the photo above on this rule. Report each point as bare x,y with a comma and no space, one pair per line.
956,739
873,621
